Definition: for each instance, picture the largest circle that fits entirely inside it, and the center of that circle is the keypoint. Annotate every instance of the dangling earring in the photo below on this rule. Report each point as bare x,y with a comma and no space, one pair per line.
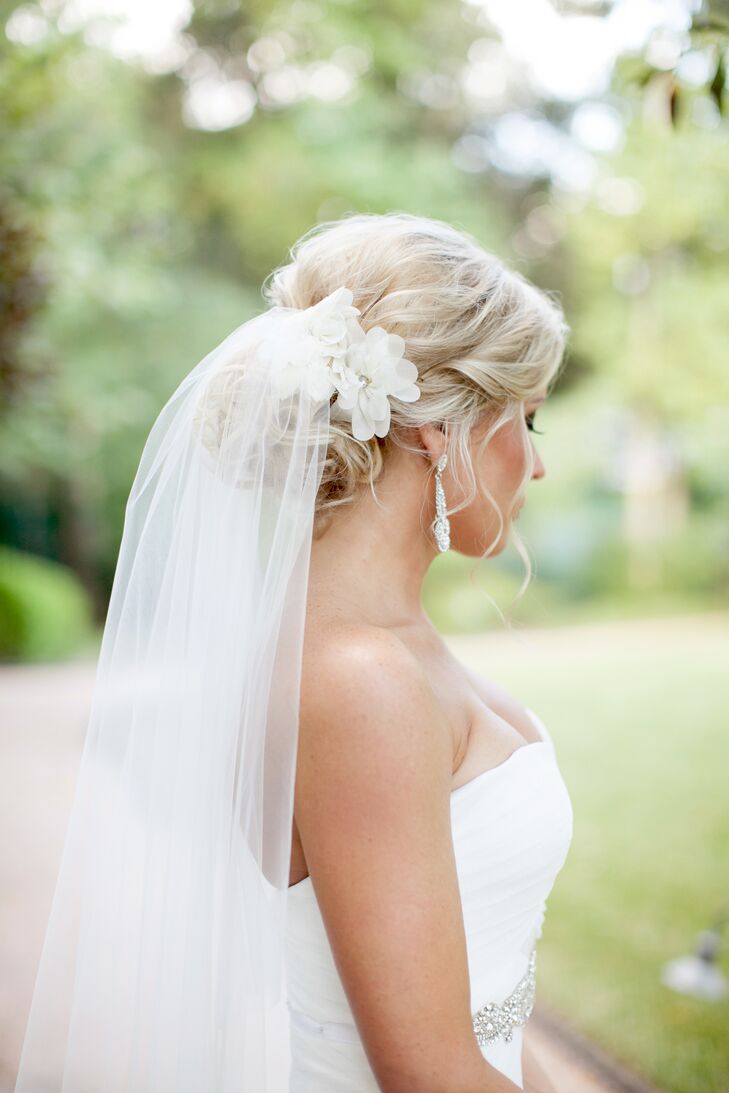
441,524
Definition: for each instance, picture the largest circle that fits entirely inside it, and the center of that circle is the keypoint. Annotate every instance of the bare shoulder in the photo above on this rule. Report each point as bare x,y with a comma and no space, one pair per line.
359,681
356,651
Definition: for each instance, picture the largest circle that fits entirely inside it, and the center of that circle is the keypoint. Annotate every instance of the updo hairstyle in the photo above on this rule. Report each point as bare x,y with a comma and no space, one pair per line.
483,338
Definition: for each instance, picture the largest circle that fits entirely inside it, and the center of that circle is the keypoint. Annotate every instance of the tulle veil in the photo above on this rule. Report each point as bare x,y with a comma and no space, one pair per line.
162,968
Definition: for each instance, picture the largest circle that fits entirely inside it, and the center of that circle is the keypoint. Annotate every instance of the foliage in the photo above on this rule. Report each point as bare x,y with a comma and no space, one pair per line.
45,613
647,258
141,237
708,34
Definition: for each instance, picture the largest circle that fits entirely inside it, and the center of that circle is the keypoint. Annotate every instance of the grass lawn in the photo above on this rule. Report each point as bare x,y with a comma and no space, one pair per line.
639,712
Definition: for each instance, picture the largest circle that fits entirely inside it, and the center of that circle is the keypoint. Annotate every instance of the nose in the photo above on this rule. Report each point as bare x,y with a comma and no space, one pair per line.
539,469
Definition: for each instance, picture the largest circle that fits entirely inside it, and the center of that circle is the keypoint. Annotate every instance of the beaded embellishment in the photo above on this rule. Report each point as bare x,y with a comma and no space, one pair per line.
441,524
499,1019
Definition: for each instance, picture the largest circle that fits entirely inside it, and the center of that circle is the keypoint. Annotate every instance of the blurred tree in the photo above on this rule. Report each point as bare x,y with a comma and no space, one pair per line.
141,206
22,292
158,197
705,45
648,258
75,164
336,123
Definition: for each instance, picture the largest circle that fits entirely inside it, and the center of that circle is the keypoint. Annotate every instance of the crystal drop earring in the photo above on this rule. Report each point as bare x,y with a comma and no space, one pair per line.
441,524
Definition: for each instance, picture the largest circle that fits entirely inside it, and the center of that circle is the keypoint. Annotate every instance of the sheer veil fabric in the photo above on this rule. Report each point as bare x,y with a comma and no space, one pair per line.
163,964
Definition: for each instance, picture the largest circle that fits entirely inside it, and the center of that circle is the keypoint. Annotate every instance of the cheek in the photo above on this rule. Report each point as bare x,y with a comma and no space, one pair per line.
505,461
520,452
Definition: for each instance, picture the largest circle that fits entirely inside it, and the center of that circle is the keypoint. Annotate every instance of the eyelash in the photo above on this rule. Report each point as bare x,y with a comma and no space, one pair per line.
530,425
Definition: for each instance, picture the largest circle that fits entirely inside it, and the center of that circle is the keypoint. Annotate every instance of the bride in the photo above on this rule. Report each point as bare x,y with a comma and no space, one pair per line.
410,812
291,790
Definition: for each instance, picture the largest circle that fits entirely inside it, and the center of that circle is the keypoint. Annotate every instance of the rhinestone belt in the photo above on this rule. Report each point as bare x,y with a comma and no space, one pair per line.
494,1020
490,1022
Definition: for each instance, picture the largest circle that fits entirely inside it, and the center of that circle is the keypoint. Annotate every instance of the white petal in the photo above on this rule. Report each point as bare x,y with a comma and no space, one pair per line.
348,395
376,335
342,295
362,427
382,425
407,394
377,404
340,298
343,375
406,370
402,381
354,330
358,359
395,345
319,382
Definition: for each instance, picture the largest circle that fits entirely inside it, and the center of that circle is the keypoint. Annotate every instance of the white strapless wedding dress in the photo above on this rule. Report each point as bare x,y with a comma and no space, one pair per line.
512,828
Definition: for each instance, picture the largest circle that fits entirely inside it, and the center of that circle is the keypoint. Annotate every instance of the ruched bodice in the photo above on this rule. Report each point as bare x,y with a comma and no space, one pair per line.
511,828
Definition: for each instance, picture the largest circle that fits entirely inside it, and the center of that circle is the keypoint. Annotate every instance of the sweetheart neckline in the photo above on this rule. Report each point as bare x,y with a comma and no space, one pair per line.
498,766
544,738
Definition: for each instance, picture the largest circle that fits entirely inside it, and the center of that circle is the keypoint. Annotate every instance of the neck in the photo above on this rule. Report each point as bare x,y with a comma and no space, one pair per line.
371,561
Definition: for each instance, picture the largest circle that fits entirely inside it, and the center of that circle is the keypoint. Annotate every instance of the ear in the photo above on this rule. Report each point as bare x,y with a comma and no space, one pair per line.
433,441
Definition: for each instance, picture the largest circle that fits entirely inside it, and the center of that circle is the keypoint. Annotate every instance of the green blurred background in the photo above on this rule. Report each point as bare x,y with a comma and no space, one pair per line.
157,160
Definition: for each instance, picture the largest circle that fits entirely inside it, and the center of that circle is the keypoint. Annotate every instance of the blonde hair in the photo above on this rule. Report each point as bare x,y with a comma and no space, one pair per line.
484,340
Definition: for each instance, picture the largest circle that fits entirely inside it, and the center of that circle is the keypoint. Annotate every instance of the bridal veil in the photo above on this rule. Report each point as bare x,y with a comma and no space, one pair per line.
162,968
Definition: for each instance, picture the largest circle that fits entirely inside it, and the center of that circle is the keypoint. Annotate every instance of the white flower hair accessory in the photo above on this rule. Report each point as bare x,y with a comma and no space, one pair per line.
335,354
